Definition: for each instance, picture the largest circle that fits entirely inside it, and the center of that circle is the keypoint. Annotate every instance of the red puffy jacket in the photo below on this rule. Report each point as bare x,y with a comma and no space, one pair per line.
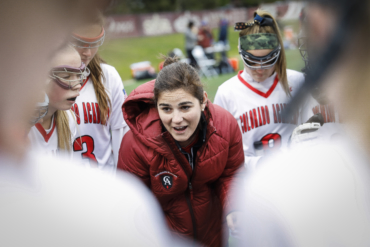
192,200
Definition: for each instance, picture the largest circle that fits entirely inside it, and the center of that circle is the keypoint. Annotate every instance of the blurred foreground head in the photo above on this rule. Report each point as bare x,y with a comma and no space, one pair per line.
338,44
31,32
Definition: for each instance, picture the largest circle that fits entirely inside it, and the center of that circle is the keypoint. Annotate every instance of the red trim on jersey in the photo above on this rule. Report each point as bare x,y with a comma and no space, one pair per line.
267,94
43,132
87,78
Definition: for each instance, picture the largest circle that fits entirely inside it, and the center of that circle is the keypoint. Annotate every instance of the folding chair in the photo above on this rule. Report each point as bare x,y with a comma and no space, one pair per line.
179,54
205,64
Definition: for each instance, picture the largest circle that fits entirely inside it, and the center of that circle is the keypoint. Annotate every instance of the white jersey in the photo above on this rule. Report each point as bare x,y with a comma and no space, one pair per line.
316,196
46,141
50,202
93,143
258,107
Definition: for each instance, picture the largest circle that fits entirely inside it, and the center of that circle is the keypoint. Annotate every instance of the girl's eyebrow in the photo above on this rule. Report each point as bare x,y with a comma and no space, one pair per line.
164,104
186,103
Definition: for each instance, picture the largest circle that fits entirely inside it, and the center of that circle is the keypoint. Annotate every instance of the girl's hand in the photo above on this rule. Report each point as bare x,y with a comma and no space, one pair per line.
233,221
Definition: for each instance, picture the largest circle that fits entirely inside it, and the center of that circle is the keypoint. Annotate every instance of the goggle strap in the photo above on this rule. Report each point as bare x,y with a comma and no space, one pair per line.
244,53
261,65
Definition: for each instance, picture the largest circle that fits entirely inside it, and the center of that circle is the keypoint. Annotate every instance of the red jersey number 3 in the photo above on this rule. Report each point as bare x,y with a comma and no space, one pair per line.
89,141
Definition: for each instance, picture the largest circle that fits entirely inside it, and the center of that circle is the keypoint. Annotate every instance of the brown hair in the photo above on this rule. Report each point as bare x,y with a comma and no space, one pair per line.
98,80
176,75
280,67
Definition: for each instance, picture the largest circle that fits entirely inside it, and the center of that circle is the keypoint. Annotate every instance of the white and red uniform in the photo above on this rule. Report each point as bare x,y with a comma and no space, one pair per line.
46,141
93,142
257,107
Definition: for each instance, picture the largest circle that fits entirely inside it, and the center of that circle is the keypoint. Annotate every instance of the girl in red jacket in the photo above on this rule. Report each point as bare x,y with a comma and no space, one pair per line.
185,149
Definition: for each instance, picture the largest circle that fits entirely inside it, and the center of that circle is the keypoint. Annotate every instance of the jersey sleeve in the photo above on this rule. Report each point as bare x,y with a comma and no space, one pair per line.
118,95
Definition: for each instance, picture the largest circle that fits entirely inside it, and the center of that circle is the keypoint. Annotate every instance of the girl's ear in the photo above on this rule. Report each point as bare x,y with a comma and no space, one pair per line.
205,98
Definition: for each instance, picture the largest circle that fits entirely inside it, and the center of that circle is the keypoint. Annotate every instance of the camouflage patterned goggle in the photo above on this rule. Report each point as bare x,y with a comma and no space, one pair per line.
265,62
259,41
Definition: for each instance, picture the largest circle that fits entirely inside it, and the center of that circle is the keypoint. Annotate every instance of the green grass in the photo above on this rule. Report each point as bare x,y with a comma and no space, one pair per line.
294,61
120,53
123,52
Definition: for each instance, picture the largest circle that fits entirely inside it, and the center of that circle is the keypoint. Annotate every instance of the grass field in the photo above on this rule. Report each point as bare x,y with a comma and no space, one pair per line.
123,52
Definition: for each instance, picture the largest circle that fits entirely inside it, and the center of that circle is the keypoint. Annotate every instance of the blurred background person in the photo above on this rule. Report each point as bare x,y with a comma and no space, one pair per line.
185,149
205,38
319,196
98,108
47,201
223,31
191,40
326,114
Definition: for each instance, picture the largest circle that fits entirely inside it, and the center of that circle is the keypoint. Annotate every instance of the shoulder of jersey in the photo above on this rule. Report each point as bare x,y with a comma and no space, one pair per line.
108,69
111,75
230,84
294,76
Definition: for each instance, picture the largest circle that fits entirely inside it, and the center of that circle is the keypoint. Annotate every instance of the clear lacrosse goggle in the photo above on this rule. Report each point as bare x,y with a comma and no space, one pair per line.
265,62
41,110
87,43
68,77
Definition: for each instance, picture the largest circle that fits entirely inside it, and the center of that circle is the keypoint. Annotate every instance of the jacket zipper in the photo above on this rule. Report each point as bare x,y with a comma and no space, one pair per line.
190,186
190,192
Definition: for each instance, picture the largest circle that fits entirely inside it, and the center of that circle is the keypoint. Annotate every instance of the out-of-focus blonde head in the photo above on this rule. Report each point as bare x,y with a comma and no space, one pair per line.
31,32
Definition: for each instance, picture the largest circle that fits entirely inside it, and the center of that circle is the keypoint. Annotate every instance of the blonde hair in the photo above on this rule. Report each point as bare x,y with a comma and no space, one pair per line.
280,67
63,130
98,80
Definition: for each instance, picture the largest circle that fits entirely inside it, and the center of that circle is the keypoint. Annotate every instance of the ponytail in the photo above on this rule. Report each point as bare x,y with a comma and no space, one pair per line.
98,80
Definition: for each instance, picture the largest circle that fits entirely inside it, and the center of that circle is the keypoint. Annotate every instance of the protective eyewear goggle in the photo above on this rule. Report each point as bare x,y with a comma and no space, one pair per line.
68,77
87,43
40,111
265,62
